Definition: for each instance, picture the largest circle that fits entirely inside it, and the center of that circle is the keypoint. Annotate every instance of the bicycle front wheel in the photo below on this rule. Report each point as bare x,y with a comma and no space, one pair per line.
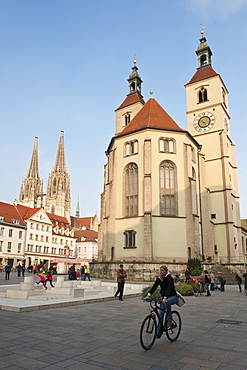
173,332
148,332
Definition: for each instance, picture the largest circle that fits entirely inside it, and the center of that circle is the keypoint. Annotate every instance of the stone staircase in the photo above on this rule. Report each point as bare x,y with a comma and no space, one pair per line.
220,270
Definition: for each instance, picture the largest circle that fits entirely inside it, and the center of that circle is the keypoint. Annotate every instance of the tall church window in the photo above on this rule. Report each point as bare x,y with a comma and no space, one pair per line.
193,193
127,118
168,201
202,95
131,190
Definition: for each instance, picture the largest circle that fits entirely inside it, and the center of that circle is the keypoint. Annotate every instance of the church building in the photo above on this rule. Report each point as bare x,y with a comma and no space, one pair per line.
172,194
58,199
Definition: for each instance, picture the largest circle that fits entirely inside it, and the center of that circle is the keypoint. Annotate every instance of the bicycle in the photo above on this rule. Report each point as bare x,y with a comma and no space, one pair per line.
149,325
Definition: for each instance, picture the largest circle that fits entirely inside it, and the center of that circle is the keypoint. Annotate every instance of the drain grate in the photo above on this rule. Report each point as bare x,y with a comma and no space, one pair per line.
232,322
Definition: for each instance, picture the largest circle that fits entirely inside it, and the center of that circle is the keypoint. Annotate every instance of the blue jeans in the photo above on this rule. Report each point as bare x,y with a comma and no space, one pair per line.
166,306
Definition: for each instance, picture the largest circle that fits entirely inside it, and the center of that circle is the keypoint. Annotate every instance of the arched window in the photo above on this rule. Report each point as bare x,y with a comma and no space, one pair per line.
131,190
202,95
167,145
131,148
168,202
203,60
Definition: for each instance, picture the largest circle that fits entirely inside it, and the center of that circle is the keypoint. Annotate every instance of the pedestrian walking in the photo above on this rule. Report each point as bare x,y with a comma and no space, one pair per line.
86,273
121,276
7,270
42,280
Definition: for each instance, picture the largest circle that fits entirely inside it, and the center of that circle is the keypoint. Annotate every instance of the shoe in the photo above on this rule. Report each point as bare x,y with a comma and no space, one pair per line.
158,336
115,295
120,299
169,324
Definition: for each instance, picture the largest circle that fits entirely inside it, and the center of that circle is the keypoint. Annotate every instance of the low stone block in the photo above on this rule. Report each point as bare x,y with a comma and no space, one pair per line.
27,286
28,279
77,292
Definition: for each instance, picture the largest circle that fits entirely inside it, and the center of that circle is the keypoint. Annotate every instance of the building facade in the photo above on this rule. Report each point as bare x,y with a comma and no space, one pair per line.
171,194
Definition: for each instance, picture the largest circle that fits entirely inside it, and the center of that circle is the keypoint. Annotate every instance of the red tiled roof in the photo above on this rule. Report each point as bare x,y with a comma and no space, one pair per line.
26,212
82,222
10,212
90,235
202,74
131,99
59,219
152,115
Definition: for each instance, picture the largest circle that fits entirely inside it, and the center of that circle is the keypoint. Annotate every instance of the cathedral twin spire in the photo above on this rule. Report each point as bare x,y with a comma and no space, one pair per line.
58,187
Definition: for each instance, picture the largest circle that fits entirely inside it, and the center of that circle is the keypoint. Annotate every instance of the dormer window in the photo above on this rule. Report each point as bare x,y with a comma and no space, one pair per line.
202,95
1,218
17,222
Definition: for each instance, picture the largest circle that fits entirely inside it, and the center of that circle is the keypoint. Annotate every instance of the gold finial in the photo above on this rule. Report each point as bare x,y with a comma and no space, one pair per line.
134,59
202,32
151,93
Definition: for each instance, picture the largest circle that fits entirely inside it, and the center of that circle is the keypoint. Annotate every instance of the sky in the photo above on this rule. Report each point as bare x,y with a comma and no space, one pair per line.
64,65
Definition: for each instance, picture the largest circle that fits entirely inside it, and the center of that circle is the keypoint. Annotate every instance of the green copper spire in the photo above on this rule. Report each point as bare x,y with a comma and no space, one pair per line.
77,213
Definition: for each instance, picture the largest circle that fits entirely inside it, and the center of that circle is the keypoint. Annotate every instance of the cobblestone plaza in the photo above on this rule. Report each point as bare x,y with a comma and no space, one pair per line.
106,335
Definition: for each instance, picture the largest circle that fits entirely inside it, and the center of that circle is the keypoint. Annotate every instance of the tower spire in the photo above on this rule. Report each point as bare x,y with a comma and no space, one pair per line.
31,192
134,79
58,187
203,52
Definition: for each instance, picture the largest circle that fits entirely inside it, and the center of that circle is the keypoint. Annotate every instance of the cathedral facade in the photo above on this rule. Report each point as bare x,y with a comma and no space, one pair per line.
172,194
57,199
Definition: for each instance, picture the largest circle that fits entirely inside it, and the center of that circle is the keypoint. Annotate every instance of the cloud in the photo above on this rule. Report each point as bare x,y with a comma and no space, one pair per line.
223,7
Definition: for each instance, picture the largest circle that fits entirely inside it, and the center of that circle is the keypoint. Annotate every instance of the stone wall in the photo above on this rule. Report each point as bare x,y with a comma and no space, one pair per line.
136,271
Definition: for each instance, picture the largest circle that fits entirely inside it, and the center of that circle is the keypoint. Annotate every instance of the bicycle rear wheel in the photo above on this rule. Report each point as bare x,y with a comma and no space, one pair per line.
148,332
173,332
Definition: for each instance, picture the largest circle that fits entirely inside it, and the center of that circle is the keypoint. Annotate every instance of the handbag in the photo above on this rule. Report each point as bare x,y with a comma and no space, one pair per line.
181,300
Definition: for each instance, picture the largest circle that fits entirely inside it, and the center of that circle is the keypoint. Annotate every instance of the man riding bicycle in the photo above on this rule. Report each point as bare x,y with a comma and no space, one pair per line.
168,294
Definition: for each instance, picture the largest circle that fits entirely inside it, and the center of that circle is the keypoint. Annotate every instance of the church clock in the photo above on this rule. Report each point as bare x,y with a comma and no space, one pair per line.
204,121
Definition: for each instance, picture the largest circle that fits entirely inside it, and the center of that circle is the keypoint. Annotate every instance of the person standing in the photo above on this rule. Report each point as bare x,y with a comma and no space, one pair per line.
35,269
168,294
121,276
7,269
187,276
73,272
239,281
245,281
23,270
82,271
212,278
222,283
19,270
207,283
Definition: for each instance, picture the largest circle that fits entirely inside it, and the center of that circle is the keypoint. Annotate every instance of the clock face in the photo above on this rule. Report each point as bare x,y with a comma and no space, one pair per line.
204,121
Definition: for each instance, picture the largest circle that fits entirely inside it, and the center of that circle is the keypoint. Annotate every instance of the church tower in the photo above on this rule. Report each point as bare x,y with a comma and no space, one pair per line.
31,192
58,187
209,123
